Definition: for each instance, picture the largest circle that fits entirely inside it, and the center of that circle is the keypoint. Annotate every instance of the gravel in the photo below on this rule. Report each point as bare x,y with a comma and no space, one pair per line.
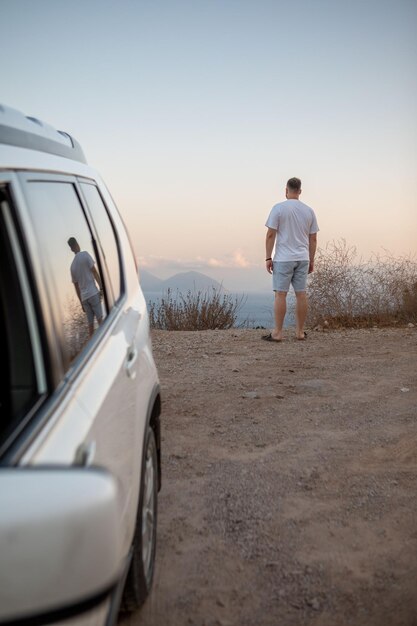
289,480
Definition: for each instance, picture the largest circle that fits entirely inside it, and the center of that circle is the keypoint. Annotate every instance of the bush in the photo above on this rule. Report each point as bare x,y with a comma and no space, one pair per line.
209,310
346,291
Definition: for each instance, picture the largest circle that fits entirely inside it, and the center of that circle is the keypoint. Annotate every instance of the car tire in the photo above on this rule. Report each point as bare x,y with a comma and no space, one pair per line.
140,575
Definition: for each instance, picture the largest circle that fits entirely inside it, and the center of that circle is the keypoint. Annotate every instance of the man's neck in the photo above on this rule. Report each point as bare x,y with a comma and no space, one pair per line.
293,196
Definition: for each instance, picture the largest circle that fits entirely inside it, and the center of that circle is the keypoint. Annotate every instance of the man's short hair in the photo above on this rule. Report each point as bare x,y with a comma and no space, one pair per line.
294,184
72,242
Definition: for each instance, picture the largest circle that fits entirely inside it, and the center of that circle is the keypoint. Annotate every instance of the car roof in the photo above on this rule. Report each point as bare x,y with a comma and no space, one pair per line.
20,130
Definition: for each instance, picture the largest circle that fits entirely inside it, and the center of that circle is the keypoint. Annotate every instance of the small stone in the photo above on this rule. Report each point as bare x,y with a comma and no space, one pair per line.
410,325
405,389
235,370
253,395
314,603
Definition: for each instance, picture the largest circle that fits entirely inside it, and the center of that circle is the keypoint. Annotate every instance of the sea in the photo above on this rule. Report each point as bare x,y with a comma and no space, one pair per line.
255,310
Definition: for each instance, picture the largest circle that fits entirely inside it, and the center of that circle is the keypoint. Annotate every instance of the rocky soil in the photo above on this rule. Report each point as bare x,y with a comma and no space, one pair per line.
289,490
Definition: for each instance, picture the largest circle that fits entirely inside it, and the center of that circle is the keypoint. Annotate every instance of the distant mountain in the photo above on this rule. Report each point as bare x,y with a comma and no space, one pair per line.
149,282
182,282
190,281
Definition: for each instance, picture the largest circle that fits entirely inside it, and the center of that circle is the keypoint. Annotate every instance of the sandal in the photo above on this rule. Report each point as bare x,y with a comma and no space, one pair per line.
271,338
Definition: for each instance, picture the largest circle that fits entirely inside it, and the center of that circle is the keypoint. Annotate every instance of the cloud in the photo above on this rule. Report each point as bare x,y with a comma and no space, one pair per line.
151,262
235,260
214,263
239,260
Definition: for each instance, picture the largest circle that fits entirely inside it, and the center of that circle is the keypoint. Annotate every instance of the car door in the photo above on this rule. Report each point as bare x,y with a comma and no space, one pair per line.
32,405
100,370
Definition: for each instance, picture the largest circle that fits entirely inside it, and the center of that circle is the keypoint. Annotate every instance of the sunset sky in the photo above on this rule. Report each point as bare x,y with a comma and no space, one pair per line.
197,112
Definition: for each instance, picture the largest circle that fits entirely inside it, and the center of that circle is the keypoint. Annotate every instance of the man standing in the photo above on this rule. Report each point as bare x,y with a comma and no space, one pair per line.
292,227
85,276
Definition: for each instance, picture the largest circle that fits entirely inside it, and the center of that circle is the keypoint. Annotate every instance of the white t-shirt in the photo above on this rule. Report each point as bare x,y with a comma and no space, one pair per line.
81,273
294,221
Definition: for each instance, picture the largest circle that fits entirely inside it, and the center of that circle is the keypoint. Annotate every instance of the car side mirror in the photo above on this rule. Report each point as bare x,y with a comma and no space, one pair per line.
59,541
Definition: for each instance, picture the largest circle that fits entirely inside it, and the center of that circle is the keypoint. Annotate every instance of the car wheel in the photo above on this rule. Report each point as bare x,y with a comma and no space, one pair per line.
139,578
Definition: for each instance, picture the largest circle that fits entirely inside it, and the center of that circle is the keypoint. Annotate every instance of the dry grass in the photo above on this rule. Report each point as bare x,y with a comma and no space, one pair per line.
202,310
344,291
350,292
75,327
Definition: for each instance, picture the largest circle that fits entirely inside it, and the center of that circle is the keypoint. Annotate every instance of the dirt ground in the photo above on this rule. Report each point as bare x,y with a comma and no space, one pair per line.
289,489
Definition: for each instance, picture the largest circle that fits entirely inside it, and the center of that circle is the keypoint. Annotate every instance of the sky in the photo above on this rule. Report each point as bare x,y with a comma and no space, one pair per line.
197,112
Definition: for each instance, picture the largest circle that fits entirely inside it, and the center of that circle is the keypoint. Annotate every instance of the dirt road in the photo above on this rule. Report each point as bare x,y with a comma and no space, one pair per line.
289,480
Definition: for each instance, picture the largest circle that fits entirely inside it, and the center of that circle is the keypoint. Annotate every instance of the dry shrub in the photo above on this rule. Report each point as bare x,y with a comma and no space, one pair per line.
75,327
202,310
410,302
350,292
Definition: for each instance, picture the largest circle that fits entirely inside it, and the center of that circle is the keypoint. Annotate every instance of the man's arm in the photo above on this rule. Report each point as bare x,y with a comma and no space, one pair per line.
271,234
77,291
312,246
97,277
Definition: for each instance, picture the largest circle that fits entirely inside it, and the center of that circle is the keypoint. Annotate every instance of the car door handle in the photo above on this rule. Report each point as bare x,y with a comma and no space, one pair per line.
85,454
132,355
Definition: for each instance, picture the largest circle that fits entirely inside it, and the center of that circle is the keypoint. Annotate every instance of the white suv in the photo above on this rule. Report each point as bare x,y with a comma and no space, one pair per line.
79,396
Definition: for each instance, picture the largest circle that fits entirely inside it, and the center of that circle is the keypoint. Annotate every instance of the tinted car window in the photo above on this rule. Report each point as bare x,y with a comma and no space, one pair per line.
58,220
20,385
106,236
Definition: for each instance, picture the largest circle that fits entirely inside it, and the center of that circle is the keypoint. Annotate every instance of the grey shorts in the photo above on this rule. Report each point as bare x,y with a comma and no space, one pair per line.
92,308
290,272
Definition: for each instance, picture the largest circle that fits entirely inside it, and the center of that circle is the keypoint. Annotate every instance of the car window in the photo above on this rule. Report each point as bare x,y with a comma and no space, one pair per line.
69,262
22,382
106,236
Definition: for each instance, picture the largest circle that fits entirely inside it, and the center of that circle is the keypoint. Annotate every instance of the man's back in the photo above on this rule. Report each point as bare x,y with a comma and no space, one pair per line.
81,273
294,221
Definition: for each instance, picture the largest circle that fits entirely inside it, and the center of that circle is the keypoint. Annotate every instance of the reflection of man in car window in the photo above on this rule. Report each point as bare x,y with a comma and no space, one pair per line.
85,277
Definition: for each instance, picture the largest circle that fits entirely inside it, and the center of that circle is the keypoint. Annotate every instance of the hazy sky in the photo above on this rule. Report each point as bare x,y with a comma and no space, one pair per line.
197,112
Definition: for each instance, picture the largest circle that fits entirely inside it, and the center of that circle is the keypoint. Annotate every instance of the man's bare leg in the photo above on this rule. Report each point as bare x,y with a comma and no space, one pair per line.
280,308
300,313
